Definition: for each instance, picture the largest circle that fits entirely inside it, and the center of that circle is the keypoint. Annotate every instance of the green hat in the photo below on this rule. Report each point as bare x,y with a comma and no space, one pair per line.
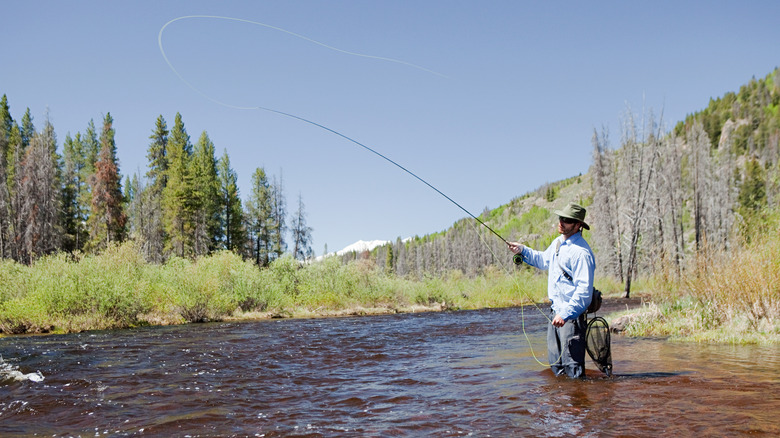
574,211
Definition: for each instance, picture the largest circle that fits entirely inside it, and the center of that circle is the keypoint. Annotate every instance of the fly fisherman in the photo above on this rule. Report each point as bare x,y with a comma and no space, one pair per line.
570,269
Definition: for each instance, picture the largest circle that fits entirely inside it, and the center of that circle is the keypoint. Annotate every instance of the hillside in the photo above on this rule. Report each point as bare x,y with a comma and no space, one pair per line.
654,201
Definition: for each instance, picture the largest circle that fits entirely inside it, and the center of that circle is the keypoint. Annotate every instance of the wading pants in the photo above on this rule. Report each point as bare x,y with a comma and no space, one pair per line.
566,347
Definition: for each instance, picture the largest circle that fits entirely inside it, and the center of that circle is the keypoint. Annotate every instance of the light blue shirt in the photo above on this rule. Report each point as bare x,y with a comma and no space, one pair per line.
570,297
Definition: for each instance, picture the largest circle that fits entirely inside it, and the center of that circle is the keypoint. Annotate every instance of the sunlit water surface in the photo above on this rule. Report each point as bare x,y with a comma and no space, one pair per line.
469,373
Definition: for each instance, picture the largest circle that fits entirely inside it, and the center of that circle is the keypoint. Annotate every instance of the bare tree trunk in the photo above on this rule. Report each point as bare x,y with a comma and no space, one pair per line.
639,167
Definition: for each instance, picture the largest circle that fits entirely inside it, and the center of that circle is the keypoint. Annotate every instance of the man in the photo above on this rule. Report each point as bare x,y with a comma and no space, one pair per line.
570,265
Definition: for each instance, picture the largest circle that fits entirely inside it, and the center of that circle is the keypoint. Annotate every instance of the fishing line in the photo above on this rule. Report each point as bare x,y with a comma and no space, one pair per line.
293,116
344,136
522,307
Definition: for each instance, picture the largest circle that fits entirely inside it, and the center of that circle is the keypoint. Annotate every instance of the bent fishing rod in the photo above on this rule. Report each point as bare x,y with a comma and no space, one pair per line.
302,119
389,161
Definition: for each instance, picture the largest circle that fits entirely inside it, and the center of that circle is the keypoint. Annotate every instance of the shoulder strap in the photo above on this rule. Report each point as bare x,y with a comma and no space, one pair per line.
558,260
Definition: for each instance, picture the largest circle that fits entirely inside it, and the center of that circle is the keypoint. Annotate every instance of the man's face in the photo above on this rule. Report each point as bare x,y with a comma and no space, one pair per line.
567,226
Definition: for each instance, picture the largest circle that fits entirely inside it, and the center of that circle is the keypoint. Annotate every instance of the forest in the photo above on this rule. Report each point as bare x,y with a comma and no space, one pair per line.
186,205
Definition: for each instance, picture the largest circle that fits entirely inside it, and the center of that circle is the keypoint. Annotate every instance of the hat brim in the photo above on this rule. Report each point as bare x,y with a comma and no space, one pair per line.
562,214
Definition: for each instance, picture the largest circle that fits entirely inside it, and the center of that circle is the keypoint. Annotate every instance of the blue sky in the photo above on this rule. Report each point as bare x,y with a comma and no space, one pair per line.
506,99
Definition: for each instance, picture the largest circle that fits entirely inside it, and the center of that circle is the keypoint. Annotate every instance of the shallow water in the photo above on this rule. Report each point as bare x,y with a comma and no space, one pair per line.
441,374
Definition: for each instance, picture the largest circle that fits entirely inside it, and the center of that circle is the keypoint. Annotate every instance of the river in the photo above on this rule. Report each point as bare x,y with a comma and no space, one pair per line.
467,373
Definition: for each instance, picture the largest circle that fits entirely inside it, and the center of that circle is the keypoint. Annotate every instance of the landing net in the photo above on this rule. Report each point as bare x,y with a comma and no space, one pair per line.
598,344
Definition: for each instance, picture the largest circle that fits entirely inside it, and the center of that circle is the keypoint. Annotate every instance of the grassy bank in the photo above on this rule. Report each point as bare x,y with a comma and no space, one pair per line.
728,297
118,289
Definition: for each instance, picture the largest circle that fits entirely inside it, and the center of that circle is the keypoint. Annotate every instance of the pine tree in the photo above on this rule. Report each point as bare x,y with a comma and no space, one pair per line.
232,212
752,191
37,230
151,232
6,126
27,129
6,121
258,217
90,146
107,219
131,205
177,195
70,217
278,215
301,233
208,232
5,200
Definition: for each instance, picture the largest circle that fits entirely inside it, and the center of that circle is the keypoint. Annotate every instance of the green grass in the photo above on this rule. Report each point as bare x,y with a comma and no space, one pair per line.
117,289
731,297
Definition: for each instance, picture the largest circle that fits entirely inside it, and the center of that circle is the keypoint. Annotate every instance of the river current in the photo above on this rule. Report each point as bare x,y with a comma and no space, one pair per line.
468,373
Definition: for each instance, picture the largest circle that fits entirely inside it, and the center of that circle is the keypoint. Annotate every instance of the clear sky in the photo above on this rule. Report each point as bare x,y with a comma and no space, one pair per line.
492,100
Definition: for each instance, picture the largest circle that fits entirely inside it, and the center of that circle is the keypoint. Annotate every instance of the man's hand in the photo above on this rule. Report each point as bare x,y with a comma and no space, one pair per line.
515,247
558,321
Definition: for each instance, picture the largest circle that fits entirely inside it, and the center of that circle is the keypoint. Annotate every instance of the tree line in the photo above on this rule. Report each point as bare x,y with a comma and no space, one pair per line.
660,199
186,205
655,200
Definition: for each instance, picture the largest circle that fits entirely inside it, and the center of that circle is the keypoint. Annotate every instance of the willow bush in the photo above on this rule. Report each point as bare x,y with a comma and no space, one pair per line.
726,296
117,288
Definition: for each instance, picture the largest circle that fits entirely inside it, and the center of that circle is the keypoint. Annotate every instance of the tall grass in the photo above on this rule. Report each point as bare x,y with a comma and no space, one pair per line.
726,296
117,289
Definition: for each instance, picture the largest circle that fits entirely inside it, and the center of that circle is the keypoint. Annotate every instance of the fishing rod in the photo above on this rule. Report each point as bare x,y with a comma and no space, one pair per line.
388,160
302,119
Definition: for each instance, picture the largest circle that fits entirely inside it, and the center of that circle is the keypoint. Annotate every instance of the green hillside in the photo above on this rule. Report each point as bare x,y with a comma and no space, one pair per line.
654,200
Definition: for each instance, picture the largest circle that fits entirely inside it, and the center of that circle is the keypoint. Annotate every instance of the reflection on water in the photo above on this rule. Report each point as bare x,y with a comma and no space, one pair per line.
443,374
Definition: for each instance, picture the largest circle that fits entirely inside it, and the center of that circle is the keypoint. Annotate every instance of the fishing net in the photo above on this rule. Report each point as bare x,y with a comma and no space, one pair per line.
598,344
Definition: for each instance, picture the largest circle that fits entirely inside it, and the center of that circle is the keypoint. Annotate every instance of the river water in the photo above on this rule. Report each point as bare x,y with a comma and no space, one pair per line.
469,373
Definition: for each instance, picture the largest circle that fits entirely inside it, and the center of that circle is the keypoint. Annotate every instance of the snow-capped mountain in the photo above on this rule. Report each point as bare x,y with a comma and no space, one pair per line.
359,246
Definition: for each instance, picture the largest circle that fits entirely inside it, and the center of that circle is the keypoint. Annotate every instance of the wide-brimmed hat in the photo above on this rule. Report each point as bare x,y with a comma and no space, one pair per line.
574,211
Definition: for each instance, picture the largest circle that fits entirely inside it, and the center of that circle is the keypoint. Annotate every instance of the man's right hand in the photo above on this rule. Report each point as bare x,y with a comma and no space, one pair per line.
515,247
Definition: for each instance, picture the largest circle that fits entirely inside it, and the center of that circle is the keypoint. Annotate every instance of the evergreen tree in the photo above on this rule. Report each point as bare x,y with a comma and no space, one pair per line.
301,233
208,231
752,191
27,128
129,196
91,146
157,156
37,230
389,267
232,212
5,200
178,211
151,233
258,217
107,219
278,215
76,199
6,121
133,207
13,180
70,189
6,126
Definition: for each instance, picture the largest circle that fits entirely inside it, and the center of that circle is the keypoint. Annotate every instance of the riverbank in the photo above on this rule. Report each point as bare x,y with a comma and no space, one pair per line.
730,297
118,289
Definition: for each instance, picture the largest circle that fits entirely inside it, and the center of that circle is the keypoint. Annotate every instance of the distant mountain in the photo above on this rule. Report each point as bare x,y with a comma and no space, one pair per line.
359,246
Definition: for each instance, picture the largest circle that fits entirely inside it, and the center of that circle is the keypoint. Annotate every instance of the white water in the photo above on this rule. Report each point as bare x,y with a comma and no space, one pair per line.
10,372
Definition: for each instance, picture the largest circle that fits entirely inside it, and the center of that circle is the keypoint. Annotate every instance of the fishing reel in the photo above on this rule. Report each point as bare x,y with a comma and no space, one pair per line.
517,259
